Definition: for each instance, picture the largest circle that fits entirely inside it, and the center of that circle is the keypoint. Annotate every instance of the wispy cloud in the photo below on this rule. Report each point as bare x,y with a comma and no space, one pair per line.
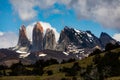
8,39
24,8
106,12
45,25
117,36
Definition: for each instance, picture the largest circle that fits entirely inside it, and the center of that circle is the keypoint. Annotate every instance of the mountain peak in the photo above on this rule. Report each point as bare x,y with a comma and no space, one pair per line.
22,27
105,39
66,27
49,41
48,29
37,37
23,42
103,34
38,26
22,31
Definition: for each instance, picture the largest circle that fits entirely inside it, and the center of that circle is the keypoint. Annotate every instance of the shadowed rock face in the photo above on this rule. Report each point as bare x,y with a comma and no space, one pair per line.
81,39
37,37
63,41
105,39
23,40
49,41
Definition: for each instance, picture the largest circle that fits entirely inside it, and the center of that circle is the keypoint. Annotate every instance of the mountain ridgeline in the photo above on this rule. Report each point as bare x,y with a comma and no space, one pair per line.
72,43
70,38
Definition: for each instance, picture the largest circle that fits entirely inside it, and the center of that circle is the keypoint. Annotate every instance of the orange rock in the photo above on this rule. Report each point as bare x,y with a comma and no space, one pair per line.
39,26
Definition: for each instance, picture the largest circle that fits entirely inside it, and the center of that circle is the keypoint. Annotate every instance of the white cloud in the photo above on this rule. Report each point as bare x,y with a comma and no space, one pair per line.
44,4
45,25
117,36
1,33
106,12
24,8
8,39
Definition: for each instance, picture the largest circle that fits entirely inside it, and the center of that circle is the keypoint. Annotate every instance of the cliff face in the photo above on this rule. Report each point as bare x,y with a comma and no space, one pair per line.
49,41
23,40
78,38
105,39
72,42
37,37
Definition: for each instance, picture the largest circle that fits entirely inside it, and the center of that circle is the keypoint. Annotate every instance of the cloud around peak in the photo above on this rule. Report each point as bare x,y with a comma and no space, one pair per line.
10,39
45,25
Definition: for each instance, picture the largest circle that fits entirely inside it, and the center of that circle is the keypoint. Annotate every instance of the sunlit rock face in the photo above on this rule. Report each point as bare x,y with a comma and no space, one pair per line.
23,40
23,44
49,41
37,37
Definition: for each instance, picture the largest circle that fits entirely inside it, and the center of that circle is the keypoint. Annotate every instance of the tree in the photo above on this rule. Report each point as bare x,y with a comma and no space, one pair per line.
109,65
18,69
96,51
51,62
97,58
38,71
110,46
2,68
50,72
73,71
38,67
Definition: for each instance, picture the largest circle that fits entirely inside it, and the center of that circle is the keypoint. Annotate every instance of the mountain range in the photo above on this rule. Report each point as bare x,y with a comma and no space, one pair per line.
72,43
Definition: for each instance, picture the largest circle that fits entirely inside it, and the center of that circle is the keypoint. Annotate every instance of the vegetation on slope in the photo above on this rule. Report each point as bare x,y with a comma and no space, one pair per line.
105,65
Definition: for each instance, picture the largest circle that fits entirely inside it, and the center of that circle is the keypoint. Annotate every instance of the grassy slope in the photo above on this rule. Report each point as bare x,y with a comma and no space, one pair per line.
55,68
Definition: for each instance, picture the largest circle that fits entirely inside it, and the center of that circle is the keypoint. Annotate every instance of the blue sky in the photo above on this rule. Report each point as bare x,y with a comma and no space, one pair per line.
82,15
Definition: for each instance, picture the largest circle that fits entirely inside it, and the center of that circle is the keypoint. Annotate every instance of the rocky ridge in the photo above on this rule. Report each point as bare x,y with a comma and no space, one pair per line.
80,43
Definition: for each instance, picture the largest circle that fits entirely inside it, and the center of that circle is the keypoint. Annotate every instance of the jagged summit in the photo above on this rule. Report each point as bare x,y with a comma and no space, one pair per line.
38,26
71,41
23,45
104,34
23,40
49,41
37,37
81,39
105,38
22,31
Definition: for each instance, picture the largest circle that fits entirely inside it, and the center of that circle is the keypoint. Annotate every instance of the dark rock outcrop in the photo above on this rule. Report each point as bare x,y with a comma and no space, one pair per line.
23,40
49,41
37,37
81,39
63,41
105,39
23,44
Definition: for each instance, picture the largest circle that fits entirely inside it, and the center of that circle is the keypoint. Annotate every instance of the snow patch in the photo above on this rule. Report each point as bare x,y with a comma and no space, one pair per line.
66,53
21,52
78,31
90,40
82,52
24,55
42,55
89,35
